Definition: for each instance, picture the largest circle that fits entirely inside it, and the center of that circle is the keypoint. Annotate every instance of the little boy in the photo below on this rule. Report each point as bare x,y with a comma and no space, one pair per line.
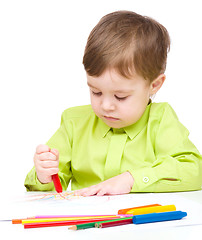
122,142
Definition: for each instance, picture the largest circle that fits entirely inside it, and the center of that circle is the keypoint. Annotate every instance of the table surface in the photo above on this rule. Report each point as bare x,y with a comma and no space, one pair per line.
21,206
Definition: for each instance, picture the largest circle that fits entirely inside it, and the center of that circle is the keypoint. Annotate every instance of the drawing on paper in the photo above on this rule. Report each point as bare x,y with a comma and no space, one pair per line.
52,196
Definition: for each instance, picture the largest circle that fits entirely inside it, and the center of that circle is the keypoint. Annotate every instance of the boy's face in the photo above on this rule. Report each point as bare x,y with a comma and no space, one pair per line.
119,101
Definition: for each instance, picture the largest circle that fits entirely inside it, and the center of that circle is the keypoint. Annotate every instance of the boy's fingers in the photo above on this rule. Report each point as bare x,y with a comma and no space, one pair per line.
102,192
42,148
49,164
91,191
79,192
51,171
82,192
55,152
47,156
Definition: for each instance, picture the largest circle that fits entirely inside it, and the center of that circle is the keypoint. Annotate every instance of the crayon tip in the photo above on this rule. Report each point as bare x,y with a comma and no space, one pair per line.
73,228
57,183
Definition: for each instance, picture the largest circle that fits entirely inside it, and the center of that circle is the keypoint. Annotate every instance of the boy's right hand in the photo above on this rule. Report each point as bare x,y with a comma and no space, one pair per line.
46,163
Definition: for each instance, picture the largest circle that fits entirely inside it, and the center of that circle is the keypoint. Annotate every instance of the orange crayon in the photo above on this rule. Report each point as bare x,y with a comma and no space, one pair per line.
124,211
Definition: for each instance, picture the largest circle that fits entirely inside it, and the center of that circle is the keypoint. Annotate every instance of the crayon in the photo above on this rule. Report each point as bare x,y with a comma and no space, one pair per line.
17,221
57,183
82,226
158,217
61,223
93,224
35,220
114,223
5,220
78,216
124,211
140,211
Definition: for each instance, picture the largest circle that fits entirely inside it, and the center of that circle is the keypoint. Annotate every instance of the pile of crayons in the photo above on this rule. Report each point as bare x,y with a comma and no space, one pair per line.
135,215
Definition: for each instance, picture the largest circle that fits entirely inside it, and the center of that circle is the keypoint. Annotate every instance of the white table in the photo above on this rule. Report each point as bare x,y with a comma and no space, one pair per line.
186,229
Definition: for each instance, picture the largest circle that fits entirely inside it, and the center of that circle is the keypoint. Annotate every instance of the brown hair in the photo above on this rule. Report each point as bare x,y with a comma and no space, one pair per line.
129,43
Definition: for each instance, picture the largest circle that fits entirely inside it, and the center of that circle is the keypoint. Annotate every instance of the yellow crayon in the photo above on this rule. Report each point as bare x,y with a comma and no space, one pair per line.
158,209
35,220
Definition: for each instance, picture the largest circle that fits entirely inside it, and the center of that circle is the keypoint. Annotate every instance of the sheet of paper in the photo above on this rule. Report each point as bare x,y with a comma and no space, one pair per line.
36,203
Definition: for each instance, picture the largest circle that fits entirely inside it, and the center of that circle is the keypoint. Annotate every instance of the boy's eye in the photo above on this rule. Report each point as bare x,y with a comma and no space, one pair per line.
120,98
100,93
96,93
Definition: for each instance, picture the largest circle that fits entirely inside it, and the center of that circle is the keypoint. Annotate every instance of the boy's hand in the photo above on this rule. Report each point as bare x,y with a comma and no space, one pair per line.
120,184
46,162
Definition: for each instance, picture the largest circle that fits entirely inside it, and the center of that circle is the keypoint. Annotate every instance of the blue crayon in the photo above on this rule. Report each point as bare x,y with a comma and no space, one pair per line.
158,217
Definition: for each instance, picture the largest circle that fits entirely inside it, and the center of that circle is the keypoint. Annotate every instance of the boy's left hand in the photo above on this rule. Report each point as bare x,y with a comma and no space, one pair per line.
120,184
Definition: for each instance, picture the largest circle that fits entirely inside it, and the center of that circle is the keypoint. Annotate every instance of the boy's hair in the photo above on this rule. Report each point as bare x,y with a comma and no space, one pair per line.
129,43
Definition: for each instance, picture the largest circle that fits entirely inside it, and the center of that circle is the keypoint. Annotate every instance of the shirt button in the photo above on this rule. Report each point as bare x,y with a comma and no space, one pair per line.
145,179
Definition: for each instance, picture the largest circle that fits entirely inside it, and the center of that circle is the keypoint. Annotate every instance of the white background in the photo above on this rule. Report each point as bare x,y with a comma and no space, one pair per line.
41,72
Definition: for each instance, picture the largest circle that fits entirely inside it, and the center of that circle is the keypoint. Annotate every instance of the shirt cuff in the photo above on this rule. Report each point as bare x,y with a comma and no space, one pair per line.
33,184
144,180
150,179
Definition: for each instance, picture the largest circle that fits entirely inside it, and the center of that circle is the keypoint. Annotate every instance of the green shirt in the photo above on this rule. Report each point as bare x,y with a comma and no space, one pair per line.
155,150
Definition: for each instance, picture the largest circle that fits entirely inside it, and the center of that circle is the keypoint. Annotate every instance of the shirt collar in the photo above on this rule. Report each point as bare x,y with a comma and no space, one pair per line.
104,128
133,130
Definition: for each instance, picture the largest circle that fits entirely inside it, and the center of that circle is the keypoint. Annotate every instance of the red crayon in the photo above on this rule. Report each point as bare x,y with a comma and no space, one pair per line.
57,183
114,223
63,223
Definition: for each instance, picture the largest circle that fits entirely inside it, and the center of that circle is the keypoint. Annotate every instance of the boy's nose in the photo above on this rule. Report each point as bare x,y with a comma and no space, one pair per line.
107,105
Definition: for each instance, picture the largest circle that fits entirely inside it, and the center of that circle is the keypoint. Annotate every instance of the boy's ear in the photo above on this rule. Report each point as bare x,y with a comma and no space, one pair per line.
157,84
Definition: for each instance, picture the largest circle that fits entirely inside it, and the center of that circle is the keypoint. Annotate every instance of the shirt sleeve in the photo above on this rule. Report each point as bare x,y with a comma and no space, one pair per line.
178,164
61,141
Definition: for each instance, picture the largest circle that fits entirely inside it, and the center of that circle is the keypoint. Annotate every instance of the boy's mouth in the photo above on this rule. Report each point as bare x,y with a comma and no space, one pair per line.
111,118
